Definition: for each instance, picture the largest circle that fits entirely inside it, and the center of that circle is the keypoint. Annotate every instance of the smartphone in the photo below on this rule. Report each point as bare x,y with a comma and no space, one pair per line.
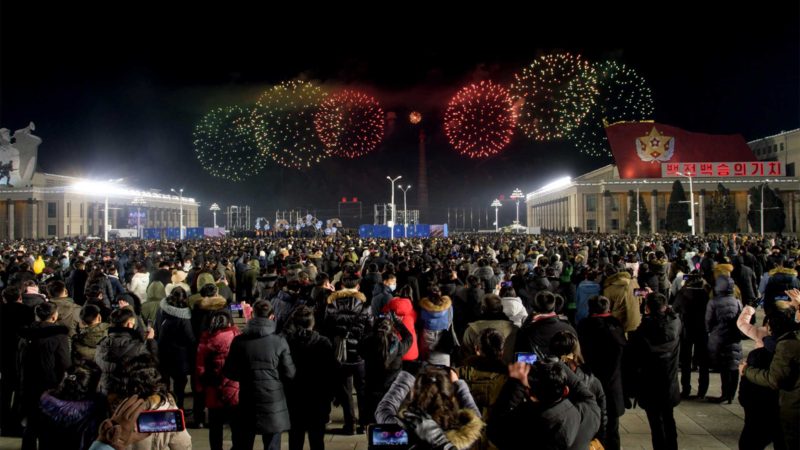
640,292
163,421
506,284
527,358
236,307
686,278
387,436
784,298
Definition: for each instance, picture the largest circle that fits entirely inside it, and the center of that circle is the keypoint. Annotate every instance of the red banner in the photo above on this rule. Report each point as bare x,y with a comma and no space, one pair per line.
639,148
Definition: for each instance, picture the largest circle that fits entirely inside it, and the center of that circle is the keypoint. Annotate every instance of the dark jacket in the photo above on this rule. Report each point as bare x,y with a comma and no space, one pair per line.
261,362
33,300
380,370
211,355
309,395
44,357
121,344
603,343
347,318
77,285
368,283
69,424
690,304
381,295
650,362
69,314
466,307
85,342
15,317
754,398
570,423
596,388
724,337
780,281
746,280
202,312
536,333
176,341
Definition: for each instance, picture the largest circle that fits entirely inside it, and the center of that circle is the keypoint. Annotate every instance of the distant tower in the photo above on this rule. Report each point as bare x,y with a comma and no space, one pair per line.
422,175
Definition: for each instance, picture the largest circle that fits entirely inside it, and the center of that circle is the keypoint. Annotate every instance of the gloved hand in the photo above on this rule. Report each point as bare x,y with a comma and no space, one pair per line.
421,427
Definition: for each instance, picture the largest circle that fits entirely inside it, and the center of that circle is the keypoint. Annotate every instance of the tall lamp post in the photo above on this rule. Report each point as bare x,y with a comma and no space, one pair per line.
761,212
138,202
391,222
214,208
180,194
517,195
496,205
689,175
405,210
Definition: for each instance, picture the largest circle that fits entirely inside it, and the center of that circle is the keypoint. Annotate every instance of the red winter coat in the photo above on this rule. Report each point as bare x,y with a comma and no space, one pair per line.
405,311
211,355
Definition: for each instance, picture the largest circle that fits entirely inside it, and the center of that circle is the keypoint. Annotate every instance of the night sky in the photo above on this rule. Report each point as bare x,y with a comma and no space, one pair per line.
116,93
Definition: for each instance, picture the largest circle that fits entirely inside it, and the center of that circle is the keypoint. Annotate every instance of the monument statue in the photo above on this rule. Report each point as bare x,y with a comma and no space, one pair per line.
18,155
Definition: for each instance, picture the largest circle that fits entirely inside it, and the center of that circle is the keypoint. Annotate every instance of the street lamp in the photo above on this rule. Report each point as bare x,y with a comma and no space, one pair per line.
638,205
689,175
214,208
180,194
138,202
762,206
405,210
496,205
391,222
517,195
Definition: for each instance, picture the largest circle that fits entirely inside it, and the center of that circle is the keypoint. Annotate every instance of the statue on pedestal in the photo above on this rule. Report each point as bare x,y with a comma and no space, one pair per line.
18,155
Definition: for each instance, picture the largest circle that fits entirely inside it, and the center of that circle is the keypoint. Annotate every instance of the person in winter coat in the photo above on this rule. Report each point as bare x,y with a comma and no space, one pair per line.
77,282
286,301
383,351
140,281
71,413
221,394
176,342
383,292
68,311
587,289
402,307
618,287
724,339
436,318
14,316
650,368
553,407
691,304
202,310
44,358
513,306
760,403
783,375
122,344
309,395
566,347
155,293
745,280
30,294
90,333
603,342
492,316
435,407
535,335
467,304
781,279
261,362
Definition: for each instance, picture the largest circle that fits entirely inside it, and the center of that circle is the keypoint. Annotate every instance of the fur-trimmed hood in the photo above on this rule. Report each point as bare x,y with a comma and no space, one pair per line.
347,293
181,313
468,432
783,271
428,305
212,303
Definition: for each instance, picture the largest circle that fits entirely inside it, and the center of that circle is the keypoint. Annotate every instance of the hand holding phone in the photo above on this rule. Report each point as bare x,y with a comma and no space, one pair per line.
160,421
527,358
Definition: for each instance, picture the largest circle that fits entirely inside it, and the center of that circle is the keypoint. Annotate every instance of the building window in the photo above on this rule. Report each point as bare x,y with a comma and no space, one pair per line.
775,148
591,225
591,203
69,229
614,224
781,146
51,211
51,230
81,211
614,203
69,210
81,228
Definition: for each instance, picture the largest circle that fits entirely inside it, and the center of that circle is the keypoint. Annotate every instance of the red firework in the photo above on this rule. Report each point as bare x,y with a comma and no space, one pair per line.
480,120
350,124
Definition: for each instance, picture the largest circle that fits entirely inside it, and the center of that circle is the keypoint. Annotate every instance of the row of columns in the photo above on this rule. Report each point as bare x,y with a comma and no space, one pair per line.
552,215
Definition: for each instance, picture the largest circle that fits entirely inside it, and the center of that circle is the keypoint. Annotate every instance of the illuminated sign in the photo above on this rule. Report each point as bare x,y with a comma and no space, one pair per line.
724,169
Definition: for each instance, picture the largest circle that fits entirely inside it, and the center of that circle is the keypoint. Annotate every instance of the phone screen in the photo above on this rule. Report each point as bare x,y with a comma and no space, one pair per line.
506,284
236,306
685,277
388,436
782,297
527,358
160,421
640,292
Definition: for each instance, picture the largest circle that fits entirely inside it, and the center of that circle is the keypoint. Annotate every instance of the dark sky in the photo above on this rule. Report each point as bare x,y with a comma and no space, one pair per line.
116,93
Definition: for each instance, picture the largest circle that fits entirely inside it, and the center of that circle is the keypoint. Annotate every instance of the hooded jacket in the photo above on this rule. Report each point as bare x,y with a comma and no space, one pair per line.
201,312
603,343
624,305
68,314
176,340
69,424
650,362
347,317
724,338
309,395
44,357
211,354
121,344
436,317
403,309
85,342
155,293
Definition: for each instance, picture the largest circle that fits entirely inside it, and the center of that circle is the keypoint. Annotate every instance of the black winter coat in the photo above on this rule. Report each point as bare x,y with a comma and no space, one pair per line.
754,398
347,317
724,337
380,371
310,393
261,362
177,345
602,343
747,283
121,344
14,317
535,335
690,304
466,307
44,357
650,363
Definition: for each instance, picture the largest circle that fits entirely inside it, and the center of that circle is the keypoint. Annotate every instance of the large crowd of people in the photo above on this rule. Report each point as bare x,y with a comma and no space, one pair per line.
466,342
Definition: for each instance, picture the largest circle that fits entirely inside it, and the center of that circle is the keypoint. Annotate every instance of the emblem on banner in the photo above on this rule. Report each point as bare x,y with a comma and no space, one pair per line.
655,147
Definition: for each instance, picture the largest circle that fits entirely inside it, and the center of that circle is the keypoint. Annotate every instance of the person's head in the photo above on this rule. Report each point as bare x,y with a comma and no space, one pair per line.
434,394
548,381
46,312
209,290
372,267
473,281
137,376
263,309
599,304
389,280
435,294
322,279
219,320
781,321
565,345
544,302
490,344
94,291
79,382
491,304
351,281
123,317
30,287
178,298
57,289
12,294
302,318
405,292
507,291
90,315
655,303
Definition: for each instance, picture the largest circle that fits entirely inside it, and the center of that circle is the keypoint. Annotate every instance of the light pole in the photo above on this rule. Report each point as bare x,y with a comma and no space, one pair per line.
138,202
405,210
638,222
215,207
391,221
496,205
691,197
180,194
517,195
761,212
